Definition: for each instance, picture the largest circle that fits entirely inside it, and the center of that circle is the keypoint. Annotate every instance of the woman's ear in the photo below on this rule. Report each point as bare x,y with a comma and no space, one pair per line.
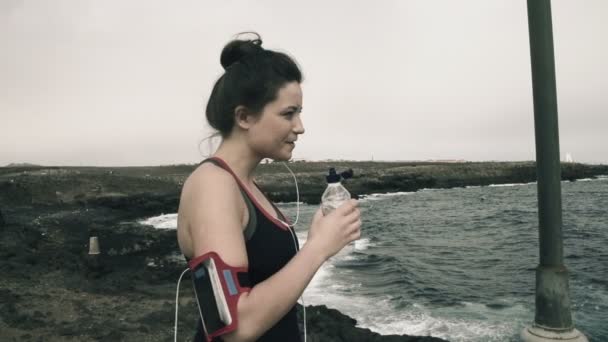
243,117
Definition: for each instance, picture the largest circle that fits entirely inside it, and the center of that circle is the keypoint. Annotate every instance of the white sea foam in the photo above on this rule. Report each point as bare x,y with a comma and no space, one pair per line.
381,196
379,314
289,204
362,244
469,322
317,287
422,322
164,221
505,185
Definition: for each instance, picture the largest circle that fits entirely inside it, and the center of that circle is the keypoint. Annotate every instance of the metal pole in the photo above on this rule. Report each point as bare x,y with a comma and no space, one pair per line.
553,320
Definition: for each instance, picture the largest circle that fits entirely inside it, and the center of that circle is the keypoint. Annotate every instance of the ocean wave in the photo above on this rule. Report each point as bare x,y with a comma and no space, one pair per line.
435,189
381,196
381,315
362,244
506,185
289,204
453,329
163,221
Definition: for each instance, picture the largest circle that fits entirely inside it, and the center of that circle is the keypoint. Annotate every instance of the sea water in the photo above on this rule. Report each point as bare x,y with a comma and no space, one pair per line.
460,263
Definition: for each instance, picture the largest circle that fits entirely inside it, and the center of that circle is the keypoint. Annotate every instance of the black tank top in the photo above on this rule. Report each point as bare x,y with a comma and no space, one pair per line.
270,246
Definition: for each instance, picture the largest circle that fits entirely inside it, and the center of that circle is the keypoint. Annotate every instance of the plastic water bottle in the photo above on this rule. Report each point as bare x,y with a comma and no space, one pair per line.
335,194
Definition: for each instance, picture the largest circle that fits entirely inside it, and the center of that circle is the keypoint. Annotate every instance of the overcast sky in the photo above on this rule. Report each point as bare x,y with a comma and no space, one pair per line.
126,82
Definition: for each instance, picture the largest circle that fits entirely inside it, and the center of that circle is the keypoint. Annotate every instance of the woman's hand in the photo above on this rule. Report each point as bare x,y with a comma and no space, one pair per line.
329,234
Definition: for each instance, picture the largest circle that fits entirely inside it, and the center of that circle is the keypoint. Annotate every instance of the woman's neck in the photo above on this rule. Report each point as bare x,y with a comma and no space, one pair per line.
239,157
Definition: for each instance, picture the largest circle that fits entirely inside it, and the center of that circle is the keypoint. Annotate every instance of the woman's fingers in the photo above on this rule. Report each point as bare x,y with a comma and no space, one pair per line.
353,216
348,206
354,226
318,214
355,235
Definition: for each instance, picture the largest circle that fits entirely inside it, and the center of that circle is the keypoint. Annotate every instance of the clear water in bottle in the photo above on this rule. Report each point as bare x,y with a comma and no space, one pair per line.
333,197
335,194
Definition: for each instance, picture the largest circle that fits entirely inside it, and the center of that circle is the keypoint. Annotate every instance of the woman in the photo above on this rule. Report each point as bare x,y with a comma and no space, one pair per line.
256,106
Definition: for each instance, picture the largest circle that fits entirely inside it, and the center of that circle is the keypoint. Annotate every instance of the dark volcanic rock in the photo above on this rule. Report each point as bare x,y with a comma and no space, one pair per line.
143,203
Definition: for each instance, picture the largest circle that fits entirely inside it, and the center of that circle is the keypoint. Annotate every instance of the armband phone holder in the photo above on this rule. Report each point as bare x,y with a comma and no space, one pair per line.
217,287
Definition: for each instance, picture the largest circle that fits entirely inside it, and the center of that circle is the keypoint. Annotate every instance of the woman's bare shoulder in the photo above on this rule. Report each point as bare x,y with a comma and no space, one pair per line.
210,211
208,187
208,176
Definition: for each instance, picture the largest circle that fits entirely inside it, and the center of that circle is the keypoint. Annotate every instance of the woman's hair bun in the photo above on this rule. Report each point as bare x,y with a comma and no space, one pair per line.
239,48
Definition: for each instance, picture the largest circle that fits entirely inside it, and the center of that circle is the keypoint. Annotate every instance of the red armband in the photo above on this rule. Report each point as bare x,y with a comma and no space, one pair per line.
217,287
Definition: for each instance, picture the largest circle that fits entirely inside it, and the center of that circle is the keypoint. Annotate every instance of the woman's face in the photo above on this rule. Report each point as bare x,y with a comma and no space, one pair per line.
274,132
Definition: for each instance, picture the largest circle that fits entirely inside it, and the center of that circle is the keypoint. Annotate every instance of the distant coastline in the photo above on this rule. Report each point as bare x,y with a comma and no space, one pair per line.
113,185
391,177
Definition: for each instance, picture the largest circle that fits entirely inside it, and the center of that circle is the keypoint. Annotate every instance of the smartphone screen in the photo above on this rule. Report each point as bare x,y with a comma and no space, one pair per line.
218,291
206,299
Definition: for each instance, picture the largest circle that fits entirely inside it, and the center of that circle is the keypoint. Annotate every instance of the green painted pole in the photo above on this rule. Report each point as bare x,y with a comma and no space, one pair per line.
553,315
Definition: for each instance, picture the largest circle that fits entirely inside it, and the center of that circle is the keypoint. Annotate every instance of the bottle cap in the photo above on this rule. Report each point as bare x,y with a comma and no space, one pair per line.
332,177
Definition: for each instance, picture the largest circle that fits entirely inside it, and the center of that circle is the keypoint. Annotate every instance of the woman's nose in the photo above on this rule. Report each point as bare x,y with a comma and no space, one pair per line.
298,127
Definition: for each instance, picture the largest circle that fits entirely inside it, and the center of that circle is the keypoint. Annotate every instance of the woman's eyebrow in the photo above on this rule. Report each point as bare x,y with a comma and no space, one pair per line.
296,108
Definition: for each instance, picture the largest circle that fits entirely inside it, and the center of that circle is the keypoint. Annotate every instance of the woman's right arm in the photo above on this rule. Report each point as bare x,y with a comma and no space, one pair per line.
215,218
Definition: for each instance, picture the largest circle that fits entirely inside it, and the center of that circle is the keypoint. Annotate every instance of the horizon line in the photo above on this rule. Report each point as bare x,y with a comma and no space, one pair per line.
301,160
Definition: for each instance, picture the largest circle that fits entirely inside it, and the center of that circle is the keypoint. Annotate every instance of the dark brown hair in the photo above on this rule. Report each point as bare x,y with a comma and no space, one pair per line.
252,78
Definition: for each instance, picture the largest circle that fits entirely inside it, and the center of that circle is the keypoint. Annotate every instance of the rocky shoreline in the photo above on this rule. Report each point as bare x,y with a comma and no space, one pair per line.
51,290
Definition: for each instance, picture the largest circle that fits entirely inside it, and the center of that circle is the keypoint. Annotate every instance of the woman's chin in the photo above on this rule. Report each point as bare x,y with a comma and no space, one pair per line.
284,156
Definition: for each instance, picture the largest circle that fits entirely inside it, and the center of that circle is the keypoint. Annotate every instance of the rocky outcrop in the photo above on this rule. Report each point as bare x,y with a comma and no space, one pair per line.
329,325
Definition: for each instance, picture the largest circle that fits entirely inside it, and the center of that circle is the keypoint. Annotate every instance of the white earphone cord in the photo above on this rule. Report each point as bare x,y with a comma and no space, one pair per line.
177,303
295,246
297,195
